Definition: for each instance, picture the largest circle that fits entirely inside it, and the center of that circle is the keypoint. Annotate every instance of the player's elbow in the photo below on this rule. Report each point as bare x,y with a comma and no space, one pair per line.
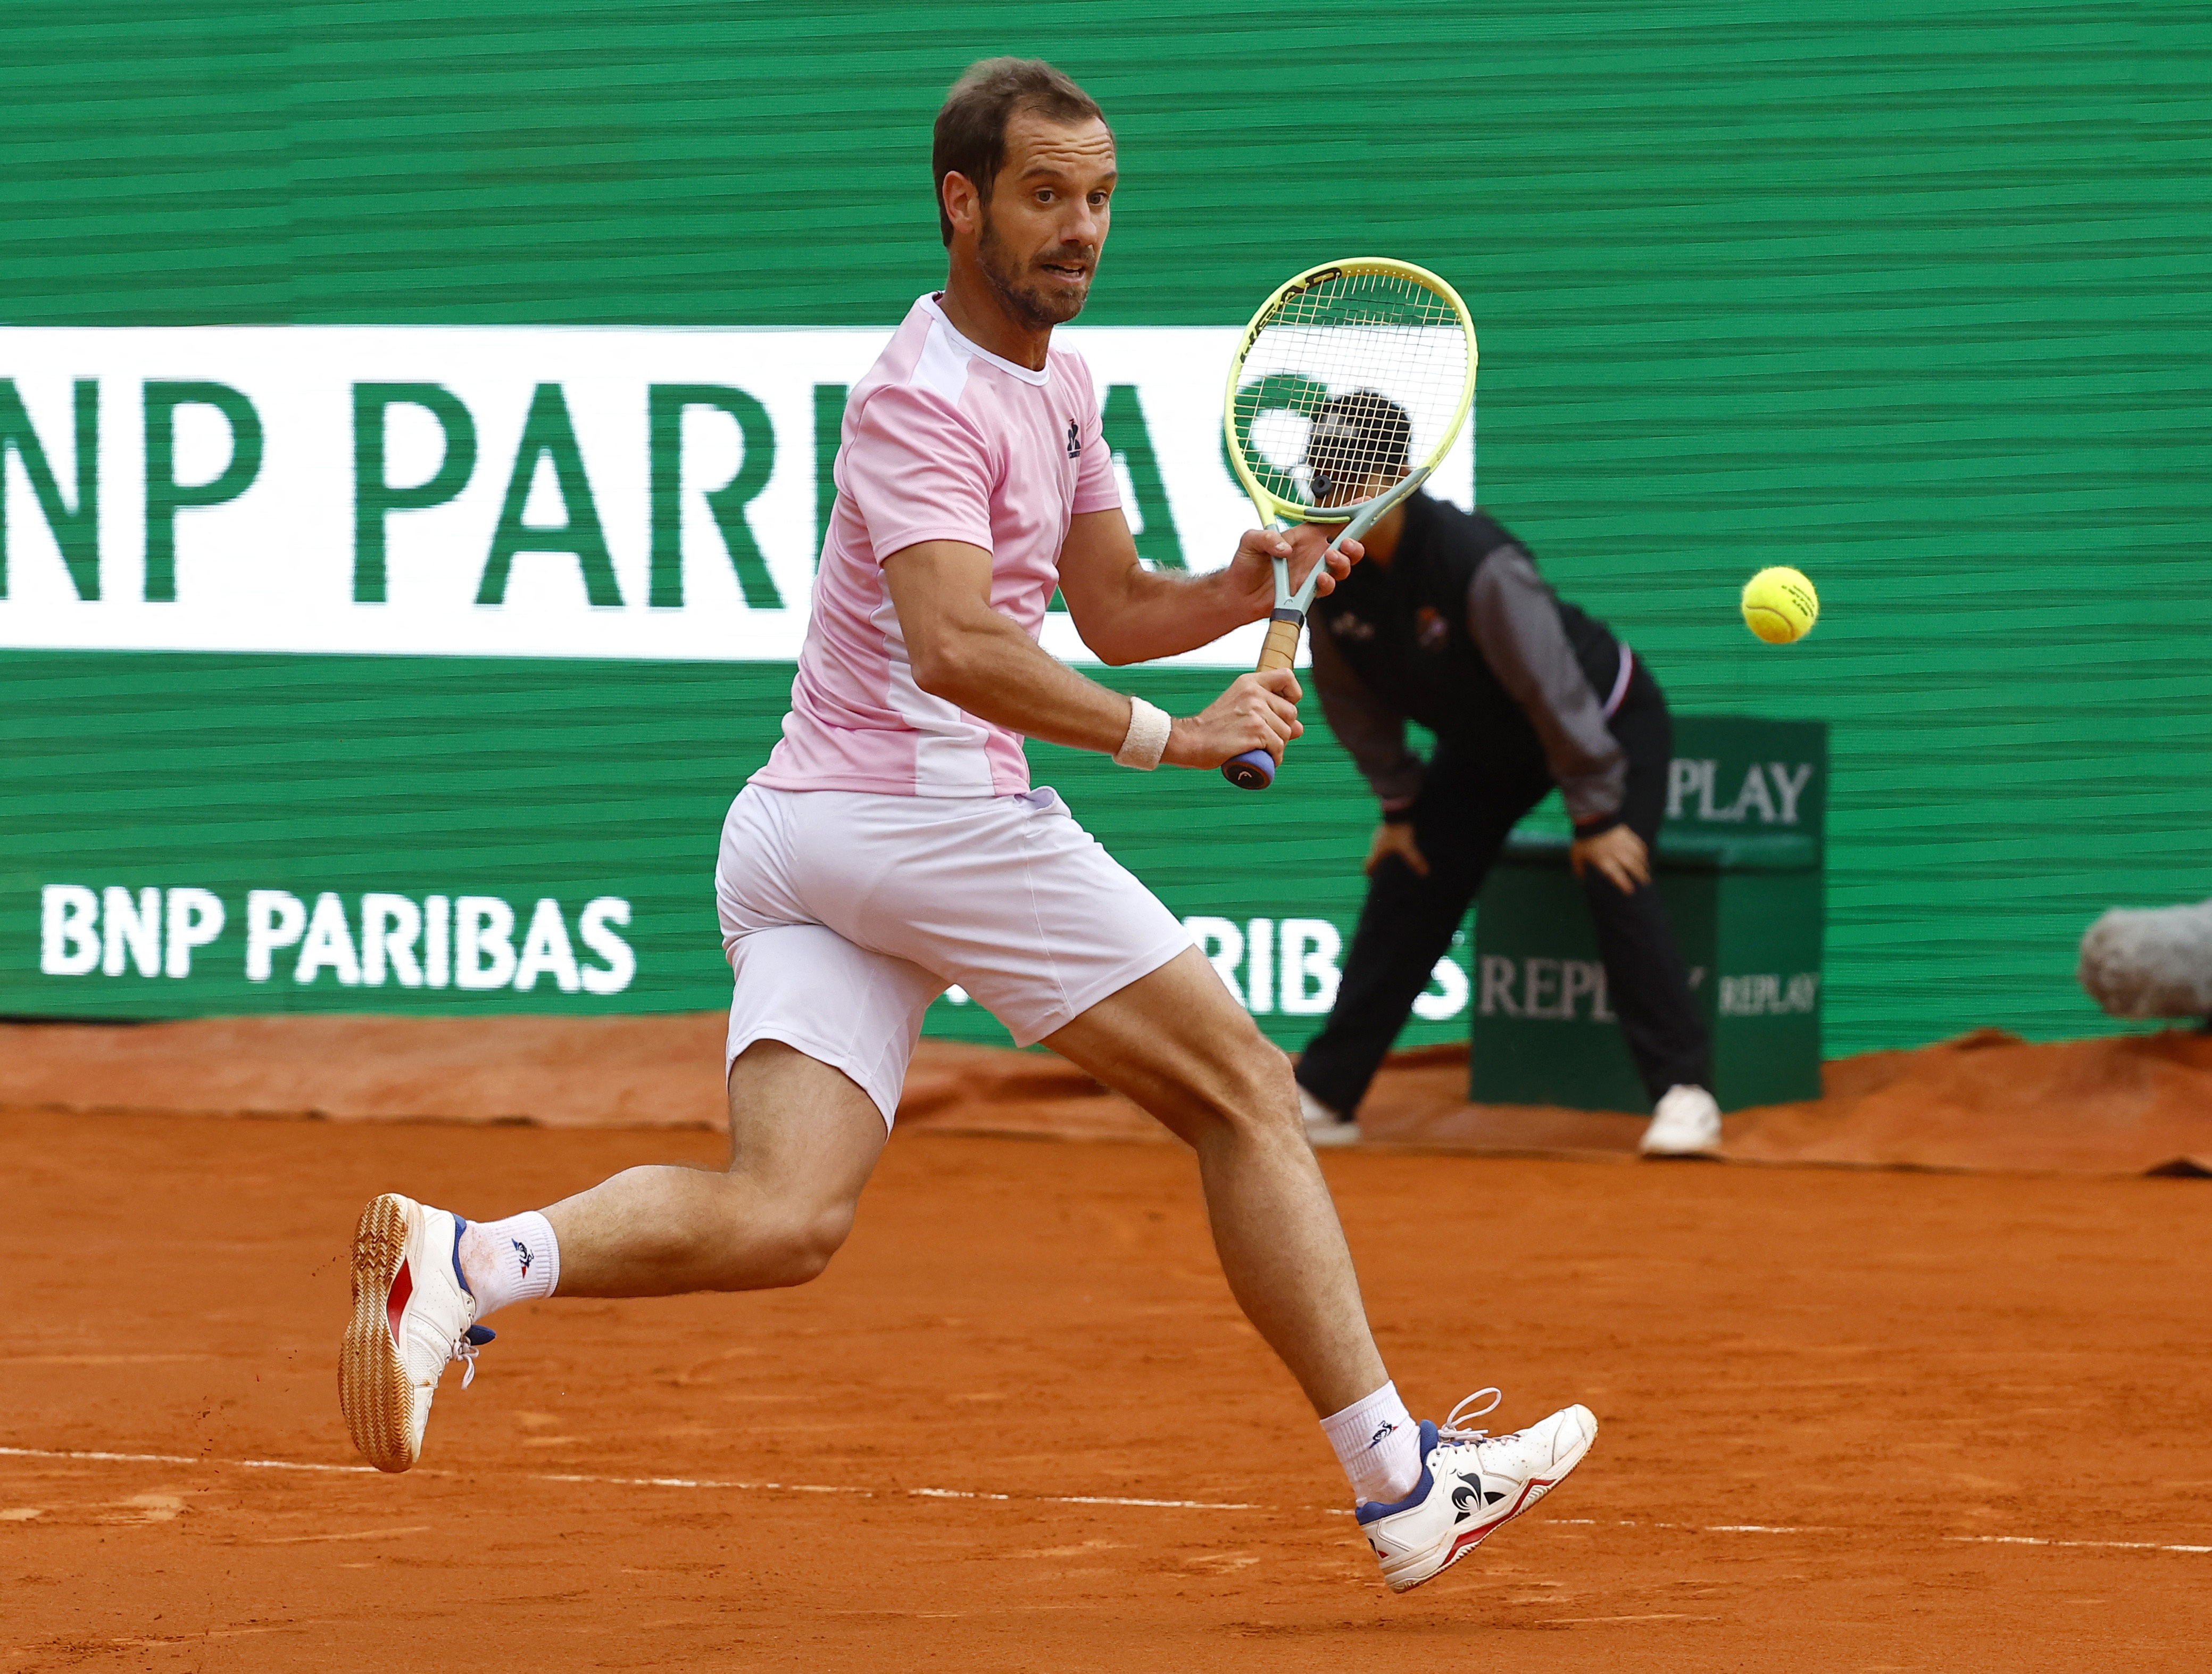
941,668
953,663
1115,649
1111,652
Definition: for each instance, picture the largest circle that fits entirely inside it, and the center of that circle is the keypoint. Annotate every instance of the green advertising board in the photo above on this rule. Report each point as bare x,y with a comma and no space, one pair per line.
447,859
1738,865
413,424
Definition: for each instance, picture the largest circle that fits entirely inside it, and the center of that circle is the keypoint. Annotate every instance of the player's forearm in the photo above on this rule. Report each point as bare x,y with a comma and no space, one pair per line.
996,673
1161,613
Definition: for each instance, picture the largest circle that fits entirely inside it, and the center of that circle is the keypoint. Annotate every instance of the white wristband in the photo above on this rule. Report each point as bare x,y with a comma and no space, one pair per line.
1147,739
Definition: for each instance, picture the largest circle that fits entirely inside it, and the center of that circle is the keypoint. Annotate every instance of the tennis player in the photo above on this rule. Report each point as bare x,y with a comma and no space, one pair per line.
893,845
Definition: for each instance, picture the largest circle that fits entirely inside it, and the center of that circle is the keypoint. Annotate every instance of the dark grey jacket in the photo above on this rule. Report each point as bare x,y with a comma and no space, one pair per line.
1517,661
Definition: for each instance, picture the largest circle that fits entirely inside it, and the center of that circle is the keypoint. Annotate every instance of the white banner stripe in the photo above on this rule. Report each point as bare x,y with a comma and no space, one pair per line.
523,491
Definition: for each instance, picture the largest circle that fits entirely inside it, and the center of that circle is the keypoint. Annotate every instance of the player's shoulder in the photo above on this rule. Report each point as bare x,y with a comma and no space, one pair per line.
919,378
922,361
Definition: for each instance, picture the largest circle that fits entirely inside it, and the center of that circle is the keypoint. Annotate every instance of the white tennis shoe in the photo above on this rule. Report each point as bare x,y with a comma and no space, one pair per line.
412,1316
1472,1484
1686,1123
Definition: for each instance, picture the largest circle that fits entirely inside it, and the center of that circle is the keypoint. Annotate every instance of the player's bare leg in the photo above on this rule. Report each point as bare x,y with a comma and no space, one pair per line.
804,1138
1177,1044
803,1141
1180,1047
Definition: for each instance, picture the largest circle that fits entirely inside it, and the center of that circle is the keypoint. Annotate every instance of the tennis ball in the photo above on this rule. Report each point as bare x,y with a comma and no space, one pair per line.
1779,604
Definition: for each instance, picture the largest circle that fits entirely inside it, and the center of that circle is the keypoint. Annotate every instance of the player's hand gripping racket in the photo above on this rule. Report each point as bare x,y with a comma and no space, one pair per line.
1347,390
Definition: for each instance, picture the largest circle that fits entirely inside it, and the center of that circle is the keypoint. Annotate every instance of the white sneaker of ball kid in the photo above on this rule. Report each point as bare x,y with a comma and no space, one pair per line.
1686,1123
412,1316
1471,1483
1323,1125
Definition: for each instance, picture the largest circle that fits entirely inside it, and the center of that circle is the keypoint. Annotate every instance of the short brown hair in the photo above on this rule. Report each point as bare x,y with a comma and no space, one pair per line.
970,136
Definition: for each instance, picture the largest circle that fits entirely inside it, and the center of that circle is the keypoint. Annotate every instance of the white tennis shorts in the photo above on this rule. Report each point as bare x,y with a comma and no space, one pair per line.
845,913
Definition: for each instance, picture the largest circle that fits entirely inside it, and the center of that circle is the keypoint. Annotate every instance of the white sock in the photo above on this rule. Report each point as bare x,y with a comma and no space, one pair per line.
514,1260
1378,1445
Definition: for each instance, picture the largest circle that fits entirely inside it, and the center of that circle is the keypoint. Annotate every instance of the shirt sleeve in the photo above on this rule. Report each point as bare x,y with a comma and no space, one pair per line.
1371,731
1096,488
1515,622
917,469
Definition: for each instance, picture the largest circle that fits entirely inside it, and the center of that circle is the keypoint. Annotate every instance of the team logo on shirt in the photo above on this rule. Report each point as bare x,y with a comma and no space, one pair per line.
1431,630
1074,439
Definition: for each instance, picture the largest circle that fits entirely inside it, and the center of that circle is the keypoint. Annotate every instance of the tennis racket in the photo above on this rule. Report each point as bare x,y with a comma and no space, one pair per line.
1348,388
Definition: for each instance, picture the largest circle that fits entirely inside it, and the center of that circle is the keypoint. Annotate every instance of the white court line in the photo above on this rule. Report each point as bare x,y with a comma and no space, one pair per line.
655,1482
1830,1528
1714,1528
1028,1499
2109,1545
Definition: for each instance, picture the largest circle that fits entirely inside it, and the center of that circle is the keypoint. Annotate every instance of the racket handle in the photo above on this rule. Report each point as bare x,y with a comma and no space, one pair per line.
1255,769
1280,650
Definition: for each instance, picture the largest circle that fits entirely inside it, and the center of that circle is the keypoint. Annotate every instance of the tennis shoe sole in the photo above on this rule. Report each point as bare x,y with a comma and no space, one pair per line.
412,1315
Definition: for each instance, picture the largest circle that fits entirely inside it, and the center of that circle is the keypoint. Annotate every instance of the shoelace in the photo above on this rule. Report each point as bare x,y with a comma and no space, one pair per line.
466,1345
1452,1430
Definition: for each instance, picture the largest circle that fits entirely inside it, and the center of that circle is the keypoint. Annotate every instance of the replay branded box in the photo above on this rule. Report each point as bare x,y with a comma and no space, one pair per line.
1741,864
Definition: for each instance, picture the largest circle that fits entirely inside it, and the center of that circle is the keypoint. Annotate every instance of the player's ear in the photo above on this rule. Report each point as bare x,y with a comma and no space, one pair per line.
963,203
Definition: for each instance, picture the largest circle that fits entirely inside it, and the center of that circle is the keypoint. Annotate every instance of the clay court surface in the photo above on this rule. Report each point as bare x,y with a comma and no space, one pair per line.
1852,1420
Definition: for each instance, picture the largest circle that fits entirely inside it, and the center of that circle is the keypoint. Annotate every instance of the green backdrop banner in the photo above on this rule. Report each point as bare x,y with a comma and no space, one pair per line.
206,834
1909,296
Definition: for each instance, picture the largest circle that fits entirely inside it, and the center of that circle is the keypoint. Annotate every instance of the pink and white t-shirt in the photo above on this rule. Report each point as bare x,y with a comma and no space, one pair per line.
943,440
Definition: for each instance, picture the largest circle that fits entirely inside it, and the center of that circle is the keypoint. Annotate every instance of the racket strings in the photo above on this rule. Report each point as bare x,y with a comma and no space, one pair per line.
1348,384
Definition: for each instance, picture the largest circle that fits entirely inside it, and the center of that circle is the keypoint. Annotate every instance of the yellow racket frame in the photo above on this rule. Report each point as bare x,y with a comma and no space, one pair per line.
1256,770
1273,507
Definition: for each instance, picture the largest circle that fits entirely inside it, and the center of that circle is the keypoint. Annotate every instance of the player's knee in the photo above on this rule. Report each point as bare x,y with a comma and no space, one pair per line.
1255,1097
799,1247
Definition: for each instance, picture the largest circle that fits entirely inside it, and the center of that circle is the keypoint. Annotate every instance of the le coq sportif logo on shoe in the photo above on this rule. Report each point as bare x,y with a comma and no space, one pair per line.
378,939
1470,1496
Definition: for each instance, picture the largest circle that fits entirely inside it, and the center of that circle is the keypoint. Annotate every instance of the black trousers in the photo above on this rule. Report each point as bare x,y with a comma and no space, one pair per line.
1467,809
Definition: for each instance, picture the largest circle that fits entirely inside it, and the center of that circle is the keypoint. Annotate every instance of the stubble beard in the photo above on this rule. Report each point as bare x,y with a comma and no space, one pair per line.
1038,309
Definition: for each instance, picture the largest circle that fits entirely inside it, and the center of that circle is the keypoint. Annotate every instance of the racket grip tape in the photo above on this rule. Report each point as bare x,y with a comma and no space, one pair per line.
1255,769
1281,648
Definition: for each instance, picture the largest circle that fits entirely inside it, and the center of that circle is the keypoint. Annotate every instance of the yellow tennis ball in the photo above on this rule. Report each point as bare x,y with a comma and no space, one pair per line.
1779,604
